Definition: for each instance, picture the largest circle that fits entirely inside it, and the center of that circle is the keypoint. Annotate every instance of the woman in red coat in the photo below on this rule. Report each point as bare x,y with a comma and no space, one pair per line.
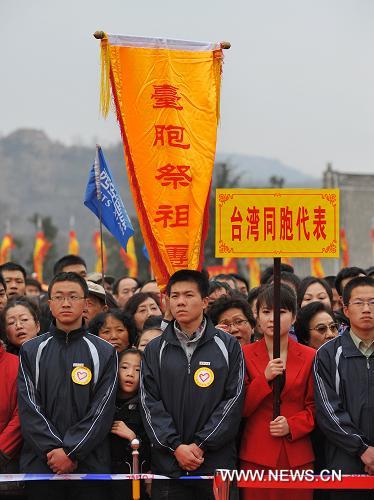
10,429
283,443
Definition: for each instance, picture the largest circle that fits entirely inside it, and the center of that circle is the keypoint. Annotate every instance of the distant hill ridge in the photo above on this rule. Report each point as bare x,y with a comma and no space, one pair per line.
48,177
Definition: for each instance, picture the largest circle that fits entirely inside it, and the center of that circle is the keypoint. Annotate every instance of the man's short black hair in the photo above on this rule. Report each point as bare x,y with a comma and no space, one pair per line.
218,285
269,271
199,277
118,281
286,278
354,283
73,277
12,266
287,298
34,282
347,272
2,281
305,284
370,271
225,303
239,277
253,294
68,260
330,280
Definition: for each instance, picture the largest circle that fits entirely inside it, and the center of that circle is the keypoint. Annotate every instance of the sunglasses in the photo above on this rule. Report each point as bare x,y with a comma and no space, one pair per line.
322,329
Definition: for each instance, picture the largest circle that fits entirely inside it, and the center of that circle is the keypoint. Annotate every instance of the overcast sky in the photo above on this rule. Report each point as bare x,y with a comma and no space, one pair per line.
298,81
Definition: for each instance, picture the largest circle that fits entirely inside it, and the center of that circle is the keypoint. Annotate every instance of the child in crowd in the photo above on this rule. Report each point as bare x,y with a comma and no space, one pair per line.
128,425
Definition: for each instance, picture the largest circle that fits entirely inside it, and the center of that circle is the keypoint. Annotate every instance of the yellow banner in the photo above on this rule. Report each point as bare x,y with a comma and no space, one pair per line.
167,99
277,223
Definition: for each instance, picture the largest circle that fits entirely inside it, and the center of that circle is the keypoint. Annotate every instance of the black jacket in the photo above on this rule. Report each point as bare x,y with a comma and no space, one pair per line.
176,410
128,411
344,392
55,412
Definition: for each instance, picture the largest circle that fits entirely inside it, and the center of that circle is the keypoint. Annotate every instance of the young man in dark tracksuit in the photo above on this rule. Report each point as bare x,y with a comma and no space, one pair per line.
344,389
191,393
67,389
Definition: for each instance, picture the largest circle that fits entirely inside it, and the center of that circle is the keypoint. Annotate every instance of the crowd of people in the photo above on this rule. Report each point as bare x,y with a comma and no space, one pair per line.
88,366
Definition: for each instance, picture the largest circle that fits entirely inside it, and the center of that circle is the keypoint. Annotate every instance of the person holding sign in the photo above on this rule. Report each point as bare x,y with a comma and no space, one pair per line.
282,442
67,388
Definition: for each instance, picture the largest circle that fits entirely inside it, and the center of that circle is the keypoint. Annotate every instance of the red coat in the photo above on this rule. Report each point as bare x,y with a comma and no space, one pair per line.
297,405
10,428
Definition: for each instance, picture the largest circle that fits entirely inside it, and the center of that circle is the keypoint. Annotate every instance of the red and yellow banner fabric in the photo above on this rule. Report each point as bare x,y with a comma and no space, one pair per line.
316,267
97,246
6,247
42,245
73,248
166,94
129,258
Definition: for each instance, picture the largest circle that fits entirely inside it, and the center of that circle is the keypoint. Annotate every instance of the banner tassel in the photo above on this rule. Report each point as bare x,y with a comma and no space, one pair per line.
105,77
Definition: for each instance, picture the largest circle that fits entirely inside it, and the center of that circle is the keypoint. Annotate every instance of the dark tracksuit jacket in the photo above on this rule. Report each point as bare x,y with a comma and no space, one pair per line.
176,410
344,393
56,412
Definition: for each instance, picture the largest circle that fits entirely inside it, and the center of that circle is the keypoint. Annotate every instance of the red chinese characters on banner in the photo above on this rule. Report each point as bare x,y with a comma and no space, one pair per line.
174,174
172,216
278,223
253,220
286,228
269,223
236,229
178,255
166,96
319,223
172,133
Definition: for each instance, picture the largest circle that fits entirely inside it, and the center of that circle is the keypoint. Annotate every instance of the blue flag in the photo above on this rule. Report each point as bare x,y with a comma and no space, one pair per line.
113,212
145,253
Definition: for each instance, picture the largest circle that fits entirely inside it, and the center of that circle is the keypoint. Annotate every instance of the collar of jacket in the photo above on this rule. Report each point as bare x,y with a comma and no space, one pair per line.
66,337
171,337
349,348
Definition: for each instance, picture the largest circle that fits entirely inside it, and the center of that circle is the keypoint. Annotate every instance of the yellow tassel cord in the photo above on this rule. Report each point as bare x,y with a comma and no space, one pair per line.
105,77
217,68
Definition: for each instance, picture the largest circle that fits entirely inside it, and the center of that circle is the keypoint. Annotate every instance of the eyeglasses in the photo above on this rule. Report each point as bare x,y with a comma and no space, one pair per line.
60,299
322,329
238,323
360,304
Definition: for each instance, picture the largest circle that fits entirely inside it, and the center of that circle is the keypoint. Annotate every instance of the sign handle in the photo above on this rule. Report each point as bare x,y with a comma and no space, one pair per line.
276,335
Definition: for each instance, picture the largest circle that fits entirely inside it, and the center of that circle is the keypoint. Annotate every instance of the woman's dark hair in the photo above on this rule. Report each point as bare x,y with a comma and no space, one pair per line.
304,317
222,304
134,302
98,321
287,298
132,350
218,285
253,294
305,284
